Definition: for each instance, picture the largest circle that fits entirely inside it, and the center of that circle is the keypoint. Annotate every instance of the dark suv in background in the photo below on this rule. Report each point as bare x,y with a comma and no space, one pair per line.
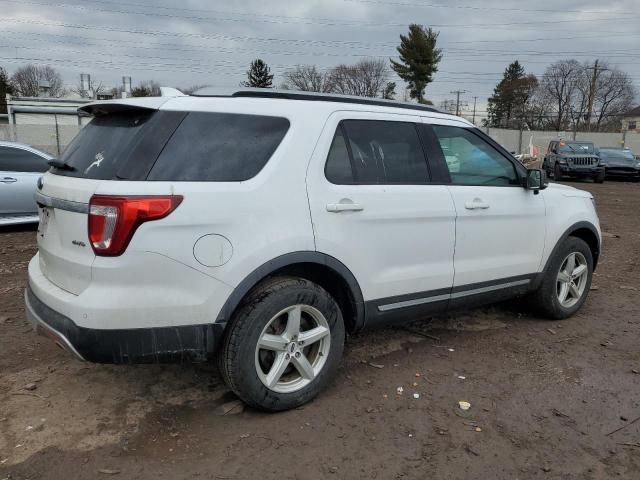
573,158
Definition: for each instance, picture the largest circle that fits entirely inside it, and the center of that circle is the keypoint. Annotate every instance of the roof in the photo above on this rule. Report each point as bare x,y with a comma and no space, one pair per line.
634,112
263,101
309,96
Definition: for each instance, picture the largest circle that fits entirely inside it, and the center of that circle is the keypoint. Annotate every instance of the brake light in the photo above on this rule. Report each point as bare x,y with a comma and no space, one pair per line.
114,219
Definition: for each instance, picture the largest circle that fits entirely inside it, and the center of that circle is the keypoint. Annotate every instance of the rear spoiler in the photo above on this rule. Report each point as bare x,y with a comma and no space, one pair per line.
122,105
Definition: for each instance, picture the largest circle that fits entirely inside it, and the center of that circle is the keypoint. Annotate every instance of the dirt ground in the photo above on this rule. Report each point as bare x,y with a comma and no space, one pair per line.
545,396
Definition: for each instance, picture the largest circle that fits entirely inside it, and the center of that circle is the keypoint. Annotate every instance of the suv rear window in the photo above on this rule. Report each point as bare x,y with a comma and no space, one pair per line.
219,147
103,148
164,145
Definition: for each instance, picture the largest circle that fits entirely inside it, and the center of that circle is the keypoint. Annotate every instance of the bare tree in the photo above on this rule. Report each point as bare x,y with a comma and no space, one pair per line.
367,78
559,85
92,91
147,88
29,80
614,95
307,78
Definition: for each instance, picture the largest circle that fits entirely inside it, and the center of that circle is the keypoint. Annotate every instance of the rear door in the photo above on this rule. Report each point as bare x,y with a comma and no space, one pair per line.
19,173
114,147
375,209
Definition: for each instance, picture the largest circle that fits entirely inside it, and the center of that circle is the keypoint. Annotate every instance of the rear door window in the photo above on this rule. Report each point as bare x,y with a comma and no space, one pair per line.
219,147
19,160
376,152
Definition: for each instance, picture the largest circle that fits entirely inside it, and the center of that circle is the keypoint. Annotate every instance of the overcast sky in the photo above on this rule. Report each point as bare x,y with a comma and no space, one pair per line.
206,42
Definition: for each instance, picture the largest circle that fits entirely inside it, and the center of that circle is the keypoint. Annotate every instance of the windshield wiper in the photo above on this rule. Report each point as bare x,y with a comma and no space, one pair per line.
572,149
61,165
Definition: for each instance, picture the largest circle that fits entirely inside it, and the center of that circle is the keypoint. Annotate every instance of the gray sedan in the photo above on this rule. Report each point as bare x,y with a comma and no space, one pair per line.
20,168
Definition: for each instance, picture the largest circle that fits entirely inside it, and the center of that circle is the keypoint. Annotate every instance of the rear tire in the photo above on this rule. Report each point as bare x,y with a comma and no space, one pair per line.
268,361
566,283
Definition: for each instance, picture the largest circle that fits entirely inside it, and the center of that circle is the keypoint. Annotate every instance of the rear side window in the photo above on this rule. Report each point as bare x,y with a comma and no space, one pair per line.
18,160
370,152
219,147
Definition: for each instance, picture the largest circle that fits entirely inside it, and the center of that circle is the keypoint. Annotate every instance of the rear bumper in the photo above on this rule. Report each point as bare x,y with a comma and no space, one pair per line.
139,345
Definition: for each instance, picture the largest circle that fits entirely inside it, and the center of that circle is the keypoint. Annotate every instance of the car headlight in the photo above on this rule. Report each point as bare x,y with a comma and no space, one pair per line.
562,161
638,165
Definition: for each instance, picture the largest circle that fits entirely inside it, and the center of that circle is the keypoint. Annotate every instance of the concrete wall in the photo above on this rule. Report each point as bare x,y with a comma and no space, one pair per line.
46,138
511,140
43,137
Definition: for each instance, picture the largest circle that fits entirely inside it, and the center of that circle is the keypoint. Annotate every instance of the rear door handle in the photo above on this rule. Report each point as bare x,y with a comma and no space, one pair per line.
344,207
8,180
476,204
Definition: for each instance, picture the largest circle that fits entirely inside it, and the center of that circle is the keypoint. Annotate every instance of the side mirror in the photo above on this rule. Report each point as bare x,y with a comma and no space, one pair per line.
536,180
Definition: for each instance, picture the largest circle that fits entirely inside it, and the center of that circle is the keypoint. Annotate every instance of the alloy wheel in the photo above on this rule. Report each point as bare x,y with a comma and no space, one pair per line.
572,279
292,348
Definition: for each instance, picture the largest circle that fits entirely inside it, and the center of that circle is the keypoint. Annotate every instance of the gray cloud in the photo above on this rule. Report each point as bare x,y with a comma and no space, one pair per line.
201,42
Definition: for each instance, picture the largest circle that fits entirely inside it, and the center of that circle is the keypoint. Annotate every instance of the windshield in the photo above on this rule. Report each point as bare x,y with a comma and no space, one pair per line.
576,147
619,155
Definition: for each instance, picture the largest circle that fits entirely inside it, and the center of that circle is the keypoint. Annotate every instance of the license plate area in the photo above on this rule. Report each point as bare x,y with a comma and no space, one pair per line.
45,214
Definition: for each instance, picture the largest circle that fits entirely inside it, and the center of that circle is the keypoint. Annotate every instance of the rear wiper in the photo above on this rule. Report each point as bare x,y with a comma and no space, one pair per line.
61,165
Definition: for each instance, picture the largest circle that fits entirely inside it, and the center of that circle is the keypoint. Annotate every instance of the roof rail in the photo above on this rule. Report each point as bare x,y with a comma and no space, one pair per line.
313,96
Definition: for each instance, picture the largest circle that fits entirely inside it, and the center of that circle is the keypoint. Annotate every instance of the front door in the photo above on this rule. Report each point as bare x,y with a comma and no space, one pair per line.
374,208
500,226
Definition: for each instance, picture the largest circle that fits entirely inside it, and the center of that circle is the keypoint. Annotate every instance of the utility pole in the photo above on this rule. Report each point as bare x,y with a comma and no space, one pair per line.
592,91
474,110
458,92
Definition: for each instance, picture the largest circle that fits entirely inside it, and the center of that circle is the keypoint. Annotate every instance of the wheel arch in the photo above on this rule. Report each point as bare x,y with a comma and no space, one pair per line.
585,231
320,268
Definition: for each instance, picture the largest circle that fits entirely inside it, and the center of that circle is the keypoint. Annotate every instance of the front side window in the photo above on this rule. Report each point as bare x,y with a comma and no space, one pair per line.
375,152
19,160
471,160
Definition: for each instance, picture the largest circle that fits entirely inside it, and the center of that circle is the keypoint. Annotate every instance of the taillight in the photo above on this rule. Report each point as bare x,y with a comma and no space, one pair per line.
114,219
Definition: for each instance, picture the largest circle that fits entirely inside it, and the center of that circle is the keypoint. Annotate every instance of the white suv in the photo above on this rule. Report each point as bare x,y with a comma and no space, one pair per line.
261,226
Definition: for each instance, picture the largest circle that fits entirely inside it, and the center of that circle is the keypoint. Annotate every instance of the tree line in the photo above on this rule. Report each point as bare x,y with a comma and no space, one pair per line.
418,59
569,94
584,96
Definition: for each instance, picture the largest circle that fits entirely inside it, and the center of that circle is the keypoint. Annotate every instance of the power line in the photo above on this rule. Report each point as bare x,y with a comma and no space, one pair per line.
458,93
316,22
482,8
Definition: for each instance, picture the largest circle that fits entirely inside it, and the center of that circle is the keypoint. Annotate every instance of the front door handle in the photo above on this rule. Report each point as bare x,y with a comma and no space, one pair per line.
344,206
476,204
8,180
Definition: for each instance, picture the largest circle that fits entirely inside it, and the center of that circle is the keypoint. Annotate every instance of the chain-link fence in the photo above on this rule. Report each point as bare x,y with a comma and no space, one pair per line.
52,139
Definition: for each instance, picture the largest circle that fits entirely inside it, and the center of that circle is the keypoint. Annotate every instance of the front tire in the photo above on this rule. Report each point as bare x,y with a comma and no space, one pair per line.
283,345
557,173
599,178
566,282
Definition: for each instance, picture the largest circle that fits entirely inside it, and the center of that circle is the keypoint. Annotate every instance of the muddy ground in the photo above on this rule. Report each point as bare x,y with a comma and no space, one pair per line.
545,396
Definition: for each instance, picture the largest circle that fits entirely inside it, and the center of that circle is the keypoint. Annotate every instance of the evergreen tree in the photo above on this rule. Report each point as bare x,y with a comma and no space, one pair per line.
5,87
419,59
259,75
389,91
508,104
